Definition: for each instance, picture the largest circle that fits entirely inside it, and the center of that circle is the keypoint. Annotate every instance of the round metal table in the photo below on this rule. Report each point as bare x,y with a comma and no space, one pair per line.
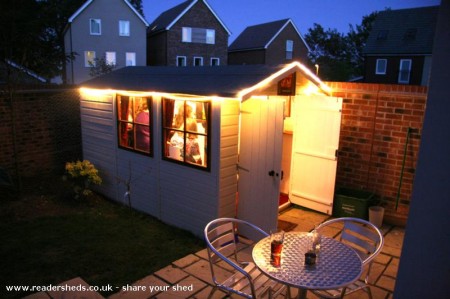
337,264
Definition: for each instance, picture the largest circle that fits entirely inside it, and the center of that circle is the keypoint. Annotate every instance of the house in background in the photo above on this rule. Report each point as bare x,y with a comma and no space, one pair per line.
399,47
272,43
104,29
189,34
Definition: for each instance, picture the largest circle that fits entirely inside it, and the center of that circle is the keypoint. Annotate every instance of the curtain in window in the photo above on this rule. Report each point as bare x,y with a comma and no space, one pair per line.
168,111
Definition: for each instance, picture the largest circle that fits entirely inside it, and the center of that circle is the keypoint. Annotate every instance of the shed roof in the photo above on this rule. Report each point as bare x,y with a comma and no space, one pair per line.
236,81
403,31
167,19
261,36
87,3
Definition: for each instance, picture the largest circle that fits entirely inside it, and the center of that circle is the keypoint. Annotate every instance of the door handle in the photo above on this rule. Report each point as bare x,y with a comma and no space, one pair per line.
273,173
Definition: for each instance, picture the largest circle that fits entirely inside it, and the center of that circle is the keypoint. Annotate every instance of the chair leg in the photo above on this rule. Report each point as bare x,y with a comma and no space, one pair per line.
369,292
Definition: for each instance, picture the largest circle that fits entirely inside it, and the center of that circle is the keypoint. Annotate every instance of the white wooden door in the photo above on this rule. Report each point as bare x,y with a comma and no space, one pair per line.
314,151
260,145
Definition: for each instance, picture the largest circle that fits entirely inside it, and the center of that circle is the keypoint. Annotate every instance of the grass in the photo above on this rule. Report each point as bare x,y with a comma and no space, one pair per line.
49,238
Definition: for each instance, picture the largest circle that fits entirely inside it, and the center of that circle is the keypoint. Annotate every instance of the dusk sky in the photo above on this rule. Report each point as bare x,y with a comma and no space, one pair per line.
338,14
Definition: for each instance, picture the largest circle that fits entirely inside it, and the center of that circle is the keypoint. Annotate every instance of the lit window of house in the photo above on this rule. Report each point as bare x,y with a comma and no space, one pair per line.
134,123
89,58
405,71
381,67
110,58
289,49
185,132
124,28
130,59
181,60
95,26
198,35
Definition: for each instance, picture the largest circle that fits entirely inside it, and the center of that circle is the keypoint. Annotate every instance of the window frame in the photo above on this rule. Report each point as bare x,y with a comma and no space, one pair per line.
111,63
214,59
377,66
196,35
87,60
168,131
133,60
184,59
132,125
289,49
197,58
126,32
99,23
405,71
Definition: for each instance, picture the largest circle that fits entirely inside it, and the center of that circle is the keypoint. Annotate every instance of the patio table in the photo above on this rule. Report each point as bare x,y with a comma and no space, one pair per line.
337,264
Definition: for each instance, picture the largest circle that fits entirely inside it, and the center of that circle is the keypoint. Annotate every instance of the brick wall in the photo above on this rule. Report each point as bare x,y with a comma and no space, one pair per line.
376,119
47,129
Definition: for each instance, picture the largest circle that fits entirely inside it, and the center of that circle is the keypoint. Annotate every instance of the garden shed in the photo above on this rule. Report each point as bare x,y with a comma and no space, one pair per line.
189,144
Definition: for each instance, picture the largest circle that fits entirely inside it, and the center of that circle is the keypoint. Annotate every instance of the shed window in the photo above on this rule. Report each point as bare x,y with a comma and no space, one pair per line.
133,123
186,137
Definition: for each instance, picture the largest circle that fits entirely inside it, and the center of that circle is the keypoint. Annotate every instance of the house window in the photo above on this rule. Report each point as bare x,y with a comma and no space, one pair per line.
215,61
181,60
133,123
89,58
405,71
198,35
381,67
124,28
110,58
289,49
186,137
95,26
198,61
130,59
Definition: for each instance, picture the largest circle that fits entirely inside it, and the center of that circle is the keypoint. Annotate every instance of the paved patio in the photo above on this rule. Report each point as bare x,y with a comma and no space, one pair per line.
190,276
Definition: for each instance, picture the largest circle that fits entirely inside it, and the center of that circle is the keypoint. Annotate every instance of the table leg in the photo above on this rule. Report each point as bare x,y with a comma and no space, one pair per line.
301,293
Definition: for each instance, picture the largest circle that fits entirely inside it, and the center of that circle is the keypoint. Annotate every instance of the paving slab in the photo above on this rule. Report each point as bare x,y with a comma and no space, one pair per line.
39,295
75,288
153,285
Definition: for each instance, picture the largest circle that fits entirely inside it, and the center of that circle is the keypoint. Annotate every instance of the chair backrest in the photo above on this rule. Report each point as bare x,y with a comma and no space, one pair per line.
363,236
221,236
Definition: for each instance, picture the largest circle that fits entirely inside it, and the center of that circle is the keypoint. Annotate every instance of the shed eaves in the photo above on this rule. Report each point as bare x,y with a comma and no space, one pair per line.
395,23
225,81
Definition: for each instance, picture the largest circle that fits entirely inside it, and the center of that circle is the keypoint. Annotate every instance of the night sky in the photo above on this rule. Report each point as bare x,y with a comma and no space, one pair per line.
334,14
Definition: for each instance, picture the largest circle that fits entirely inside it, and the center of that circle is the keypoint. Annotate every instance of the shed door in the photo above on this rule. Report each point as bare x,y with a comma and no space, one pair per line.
314,151
260,145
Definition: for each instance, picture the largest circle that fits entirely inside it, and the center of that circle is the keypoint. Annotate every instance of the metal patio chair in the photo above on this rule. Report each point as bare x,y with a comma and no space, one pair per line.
367,240
223,240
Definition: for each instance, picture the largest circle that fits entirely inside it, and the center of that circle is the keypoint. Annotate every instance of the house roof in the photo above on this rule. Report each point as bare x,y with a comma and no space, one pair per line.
167,19
87,3
403,31
236,81
261,36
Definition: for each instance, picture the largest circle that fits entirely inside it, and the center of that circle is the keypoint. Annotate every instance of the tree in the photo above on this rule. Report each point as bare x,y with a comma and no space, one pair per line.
339,56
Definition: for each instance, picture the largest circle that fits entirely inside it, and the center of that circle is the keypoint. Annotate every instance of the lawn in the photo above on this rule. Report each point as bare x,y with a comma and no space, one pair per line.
47,238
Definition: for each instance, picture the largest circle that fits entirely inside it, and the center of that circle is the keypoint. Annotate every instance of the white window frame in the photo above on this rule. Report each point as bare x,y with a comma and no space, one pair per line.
124,28
204,36
183,58
110,58
211,62
210,36
199,58
289,49
406,70
186,35
89,56
130,56
92,29
380,69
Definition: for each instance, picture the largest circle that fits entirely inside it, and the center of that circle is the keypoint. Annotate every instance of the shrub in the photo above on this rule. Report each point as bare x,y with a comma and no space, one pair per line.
81,174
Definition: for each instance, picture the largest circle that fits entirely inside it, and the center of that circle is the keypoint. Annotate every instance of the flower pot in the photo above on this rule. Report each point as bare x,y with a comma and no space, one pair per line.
376,214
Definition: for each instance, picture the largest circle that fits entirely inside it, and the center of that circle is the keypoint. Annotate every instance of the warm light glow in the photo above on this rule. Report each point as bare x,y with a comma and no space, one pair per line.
245,93
310,89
